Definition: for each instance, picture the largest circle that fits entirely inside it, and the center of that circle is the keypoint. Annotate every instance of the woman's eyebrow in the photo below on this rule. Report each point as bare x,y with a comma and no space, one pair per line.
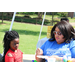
57,31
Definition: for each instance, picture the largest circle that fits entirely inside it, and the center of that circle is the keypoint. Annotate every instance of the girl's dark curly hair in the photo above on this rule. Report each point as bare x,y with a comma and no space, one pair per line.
8,37
66,29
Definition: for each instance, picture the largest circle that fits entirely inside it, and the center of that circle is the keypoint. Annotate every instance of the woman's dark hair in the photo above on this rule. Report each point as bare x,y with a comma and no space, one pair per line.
66,19
66,29
8,37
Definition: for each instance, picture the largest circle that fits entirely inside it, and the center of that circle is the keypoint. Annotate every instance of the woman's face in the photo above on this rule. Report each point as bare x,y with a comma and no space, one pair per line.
58,36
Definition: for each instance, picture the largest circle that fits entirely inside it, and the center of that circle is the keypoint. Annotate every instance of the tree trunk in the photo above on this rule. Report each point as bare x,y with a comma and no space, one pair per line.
2,17
52,17
40,15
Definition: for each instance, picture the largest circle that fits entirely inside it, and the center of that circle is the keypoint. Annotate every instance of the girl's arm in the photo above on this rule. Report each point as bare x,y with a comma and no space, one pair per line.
9,58
22,59
22,56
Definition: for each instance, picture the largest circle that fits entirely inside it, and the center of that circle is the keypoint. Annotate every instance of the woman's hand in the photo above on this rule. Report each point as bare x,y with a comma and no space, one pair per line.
38,52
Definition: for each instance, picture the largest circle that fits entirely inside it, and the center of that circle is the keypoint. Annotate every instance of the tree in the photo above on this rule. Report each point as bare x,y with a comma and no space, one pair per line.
52,17
40,15
62,14
2,17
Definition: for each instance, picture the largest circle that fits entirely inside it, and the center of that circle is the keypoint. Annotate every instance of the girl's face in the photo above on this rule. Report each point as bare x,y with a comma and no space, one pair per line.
58,36
14,44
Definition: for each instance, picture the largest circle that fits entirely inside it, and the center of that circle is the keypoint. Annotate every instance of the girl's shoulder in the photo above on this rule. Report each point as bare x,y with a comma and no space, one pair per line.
13,53
20,51
9,51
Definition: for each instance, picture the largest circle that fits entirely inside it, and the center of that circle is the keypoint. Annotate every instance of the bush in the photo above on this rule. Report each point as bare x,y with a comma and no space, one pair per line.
26,20
62,14
26,13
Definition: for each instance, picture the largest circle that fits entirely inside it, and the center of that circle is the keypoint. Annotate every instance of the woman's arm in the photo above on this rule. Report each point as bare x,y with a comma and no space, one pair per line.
72,59
58,59
38,52
62,59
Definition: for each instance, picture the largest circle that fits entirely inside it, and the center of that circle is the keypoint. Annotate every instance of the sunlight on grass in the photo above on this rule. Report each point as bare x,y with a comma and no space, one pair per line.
29,34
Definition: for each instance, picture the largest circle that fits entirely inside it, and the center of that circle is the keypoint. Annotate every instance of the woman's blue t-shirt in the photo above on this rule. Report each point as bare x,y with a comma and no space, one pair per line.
52,48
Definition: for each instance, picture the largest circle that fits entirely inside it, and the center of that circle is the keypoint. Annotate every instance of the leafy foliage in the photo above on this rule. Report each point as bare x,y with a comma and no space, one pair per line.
26,13
62,14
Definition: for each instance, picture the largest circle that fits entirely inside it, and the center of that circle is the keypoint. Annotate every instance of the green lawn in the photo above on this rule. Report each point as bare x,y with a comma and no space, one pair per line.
29,34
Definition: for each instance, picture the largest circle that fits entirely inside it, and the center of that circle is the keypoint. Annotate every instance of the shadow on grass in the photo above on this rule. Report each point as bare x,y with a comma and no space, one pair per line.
26,32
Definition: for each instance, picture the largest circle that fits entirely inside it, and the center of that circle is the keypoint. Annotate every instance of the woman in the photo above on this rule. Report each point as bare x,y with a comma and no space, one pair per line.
60,44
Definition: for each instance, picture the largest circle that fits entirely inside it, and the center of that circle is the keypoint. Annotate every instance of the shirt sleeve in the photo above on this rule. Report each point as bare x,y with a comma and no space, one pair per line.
43,46
72,49
9,59
73,52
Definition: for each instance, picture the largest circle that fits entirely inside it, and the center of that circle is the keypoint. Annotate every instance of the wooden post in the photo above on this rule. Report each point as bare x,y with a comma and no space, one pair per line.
2,17
52,17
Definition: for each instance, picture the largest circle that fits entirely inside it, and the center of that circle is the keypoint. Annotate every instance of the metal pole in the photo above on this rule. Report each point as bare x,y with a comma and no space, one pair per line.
42,26
12,21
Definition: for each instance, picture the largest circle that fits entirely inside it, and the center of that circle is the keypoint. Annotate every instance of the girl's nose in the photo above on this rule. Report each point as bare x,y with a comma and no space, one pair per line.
17,45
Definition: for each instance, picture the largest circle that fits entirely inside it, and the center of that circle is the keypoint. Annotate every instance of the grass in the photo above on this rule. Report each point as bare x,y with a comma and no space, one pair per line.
28,33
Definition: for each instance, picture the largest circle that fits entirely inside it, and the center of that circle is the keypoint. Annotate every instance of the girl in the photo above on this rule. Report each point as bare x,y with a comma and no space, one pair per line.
11,44
60,44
